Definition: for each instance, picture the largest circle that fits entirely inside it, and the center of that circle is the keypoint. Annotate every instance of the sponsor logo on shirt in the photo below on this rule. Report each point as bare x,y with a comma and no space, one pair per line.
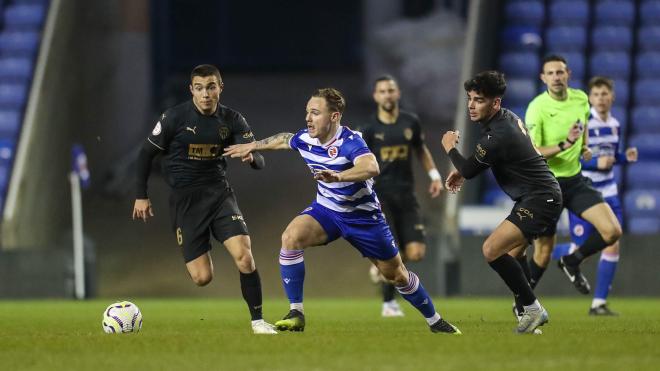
379,136
157,129
192,129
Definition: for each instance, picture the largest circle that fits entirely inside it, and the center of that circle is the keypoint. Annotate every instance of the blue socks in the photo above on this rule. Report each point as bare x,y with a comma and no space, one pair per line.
605,276
416,295
292,269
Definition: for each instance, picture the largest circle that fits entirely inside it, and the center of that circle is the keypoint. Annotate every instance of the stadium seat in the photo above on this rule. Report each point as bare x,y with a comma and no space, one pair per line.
576,63
648,146
643,225
614,65
525,13
4,176
648,38
520,64
566,39
521,38
518,110
647,92
614,13
611,38
495,196
621,91
15,69
520,91
648,64
641,203
19,43
643,175
569,13
13,95
6,150
24,16
9,123
649,12
620,112
646,120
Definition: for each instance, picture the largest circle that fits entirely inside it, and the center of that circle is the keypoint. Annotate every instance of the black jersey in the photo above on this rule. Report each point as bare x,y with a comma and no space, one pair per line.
193,143
507,149
393,145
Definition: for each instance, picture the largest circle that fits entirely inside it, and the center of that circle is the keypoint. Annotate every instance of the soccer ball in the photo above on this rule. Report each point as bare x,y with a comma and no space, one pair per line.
122,317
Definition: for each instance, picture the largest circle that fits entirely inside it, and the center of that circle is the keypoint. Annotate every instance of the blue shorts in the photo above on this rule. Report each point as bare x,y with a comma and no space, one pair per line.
368,232
581,229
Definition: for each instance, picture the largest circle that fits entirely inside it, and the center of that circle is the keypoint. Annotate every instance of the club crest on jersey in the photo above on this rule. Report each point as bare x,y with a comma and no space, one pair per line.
157,129
408,133
578,230
333,152
224,132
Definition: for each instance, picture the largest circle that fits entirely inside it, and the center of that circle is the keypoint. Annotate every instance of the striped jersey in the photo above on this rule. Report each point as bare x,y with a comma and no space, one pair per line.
338,154
603,141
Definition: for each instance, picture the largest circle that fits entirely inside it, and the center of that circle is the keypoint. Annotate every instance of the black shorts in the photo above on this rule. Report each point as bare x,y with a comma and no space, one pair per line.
198,212
537,216
578,194
402,213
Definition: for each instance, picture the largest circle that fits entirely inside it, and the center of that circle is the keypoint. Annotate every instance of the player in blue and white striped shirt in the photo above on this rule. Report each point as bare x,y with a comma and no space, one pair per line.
345,206
604,143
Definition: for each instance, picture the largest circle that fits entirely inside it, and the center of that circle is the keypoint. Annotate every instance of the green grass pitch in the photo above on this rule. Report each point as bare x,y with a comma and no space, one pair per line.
341,334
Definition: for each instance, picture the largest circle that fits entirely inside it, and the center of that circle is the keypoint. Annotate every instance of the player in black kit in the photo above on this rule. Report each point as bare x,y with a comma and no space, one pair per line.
521,171
191,136
394,135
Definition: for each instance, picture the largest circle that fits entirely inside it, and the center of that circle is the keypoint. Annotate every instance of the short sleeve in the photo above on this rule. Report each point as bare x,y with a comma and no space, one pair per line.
356,147
486,150
295,142
163,132
241,130
534,123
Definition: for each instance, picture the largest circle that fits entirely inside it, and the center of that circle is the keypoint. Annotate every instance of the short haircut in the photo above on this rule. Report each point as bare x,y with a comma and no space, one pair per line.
204,70
489,83
386,77
335,100
553,58
601,81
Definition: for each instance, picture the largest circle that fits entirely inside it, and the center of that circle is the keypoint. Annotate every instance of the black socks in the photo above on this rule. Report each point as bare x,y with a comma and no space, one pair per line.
512,274
251,290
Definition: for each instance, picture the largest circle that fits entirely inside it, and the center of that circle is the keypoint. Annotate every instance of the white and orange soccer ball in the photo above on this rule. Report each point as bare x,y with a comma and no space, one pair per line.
122,317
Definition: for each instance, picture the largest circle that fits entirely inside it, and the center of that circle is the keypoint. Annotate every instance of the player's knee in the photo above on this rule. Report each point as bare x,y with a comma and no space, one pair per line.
201,278
245,263
489,251
415,254
612,233
292,240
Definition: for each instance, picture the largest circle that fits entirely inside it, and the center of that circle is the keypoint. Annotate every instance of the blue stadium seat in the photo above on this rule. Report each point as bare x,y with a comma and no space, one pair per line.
521,38
495,196
527,13
614,13
614,65
647,92
577,84
13,95
648,146
10,123
520,64
636,225
648,38
569,13
518,110
649,12
648,64
520,91
646,120
621,92
620,113
576,63
611,38
4,176
19,43
643,175
566,39
15,69
642,203
24,16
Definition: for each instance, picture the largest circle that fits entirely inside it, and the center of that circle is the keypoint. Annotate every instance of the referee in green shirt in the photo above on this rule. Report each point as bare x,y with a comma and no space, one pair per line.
556,120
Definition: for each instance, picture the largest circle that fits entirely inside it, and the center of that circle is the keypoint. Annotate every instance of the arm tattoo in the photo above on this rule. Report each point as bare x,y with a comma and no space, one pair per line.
277,139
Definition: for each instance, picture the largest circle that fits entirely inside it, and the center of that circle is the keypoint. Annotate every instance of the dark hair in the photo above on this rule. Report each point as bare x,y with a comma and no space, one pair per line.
385,77
333,97
553,58
489,83
204,70
601,81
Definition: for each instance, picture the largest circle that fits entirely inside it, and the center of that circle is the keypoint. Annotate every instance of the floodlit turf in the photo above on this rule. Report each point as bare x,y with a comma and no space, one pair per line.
342,334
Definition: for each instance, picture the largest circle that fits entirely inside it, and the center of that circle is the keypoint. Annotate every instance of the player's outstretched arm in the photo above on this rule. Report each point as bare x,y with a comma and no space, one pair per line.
275,142
365,167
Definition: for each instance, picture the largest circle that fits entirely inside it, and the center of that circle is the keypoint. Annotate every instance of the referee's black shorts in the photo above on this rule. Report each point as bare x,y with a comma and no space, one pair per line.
200,211
537,215
402,214
578,194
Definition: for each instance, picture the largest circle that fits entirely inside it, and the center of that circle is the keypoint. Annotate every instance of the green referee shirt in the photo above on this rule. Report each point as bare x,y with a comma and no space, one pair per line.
548,122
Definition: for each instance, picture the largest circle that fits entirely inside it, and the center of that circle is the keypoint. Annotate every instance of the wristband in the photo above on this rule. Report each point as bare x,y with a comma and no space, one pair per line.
569,141
434,175
561,145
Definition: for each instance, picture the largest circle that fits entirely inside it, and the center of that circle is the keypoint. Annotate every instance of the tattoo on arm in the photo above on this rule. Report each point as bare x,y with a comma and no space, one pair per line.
275,141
